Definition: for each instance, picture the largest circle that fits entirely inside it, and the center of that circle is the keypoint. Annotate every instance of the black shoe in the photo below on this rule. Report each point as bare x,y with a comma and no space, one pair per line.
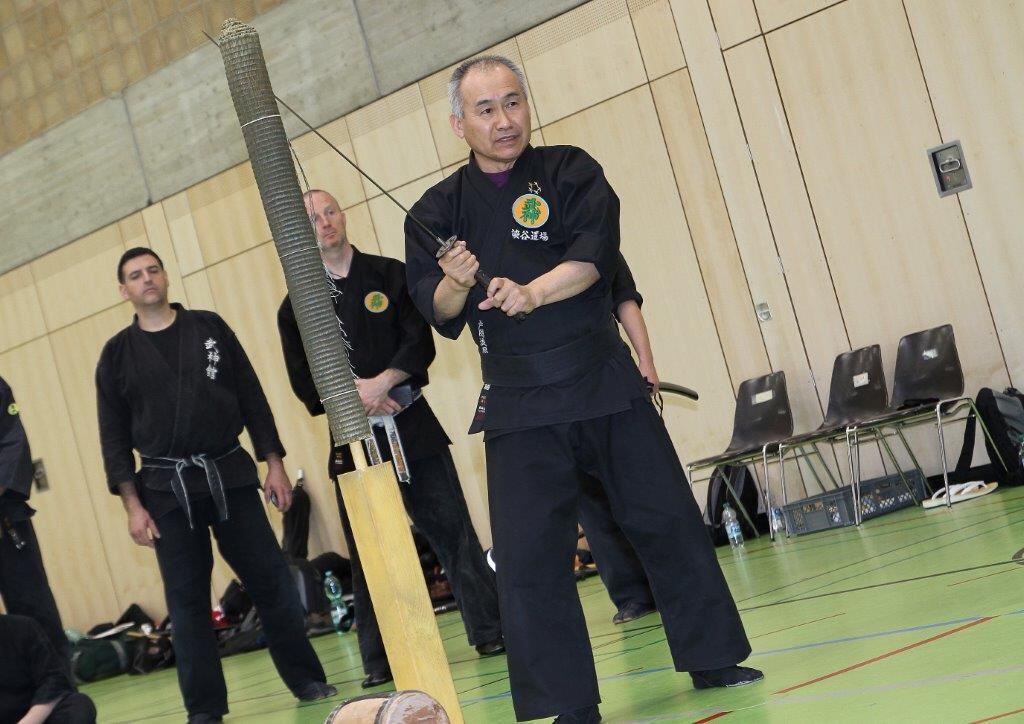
314,691
491,648
586,715
377,678
729,676
634,610
204,719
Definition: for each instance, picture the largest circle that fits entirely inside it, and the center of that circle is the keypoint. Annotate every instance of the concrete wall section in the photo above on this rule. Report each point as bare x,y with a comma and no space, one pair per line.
69,182
326,58
182,115
408,41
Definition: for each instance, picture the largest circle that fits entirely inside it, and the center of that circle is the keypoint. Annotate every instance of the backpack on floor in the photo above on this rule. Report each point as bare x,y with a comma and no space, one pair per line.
152,651
745,488
1003,415
102,655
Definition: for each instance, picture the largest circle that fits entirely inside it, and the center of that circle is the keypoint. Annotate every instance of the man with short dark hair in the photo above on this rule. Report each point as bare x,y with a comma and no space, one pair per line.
561,396
24,587
177,387
390,350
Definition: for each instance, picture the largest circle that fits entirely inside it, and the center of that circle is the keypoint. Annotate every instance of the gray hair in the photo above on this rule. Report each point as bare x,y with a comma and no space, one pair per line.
483,62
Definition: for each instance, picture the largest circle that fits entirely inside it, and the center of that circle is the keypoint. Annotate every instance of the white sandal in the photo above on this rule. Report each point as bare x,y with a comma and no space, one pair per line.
960,492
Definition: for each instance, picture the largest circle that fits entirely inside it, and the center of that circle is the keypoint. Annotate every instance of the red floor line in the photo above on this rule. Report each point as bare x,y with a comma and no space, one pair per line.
987,575
997,716
798,625
886,655
719,715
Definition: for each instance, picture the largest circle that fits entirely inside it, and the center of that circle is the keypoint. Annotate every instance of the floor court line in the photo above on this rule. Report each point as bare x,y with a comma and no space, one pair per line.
886,553
998,716
870,586
931,551
978,578
880,657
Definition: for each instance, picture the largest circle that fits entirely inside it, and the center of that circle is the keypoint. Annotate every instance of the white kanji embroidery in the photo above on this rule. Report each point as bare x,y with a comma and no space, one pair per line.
515,234
543,236
212,356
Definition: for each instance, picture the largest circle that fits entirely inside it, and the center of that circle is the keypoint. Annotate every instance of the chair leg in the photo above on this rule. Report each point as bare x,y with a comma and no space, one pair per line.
768,487
853,450
828,470
910,452
896,464
739,505
988,436
942,453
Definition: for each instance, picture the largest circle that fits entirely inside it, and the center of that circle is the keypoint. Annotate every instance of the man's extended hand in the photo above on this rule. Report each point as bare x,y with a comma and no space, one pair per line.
374,395
142,527
277,485
460,265
510,298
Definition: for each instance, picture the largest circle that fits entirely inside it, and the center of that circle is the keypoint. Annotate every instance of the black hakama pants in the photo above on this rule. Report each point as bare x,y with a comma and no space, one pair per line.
534,485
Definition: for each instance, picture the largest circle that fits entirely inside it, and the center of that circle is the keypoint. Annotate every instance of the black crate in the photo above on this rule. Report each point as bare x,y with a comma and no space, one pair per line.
834,509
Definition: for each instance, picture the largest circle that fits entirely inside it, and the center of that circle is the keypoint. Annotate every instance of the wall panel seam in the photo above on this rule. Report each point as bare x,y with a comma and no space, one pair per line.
963,216
803,180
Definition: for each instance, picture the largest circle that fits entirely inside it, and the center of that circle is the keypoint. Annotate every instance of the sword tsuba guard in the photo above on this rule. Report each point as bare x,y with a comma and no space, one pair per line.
445,247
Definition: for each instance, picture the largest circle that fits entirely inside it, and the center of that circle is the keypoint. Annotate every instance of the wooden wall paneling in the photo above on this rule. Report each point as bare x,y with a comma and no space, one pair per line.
79,279
389,220
76,349
774,13
21,315
581,58
656,34
735,21
197,292
742,193
392,140
657,245
972,64
325,169
360,230
157,236
69,538
178,215
785,196
899,254
708,222
251,311
228,214
434,89
454,375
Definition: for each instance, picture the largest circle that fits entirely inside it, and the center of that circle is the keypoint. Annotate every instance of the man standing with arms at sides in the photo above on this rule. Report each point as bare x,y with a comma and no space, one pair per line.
177,387
390,349
561,396
23,584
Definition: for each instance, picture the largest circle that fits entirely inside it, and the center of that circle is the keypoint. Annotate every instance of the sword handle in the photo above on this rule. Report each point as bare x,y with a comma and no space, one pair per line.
484,280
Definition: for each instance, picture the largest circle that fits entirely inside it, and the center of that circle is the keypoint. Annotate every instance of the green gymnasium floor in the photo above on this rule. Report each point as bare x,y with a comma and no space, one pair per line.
915,617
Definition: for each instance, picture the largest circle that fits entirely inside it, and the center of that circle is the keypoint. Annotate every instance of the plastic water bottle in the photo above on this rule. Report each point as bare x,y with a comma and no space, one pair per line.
339,611
732,526
776,520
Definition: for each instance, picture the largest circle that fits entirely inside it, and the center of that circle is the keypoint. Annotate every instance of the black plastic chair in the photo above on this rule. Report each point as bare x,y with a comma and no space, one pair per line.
928,385
763,418
857,393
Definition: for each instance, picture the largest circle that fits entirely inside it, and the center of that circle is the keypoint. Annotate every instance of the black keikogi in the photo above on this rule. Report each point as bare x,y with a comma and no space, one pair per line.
583,226
382,330
386,332
185,390
564,397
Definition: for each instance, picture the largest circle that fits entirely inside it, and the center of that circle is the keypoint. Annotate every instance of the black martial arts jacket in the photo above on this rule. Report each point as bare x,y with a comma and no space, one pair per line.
31,672
175,411
15,459
556,206
382,330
